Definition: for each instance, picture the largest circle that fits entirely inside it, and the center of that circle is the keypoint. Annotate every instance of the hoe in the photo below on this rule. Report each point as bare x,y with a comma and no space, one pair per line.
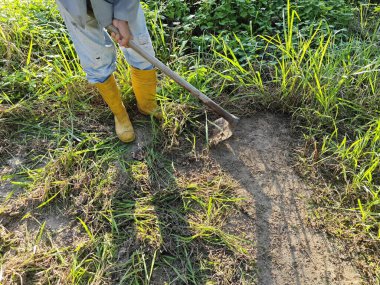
223,126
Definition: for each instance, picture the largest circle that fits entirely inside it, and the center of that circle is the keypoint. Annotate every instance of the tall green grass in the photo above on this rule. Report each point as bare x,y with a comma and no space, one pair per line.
332,89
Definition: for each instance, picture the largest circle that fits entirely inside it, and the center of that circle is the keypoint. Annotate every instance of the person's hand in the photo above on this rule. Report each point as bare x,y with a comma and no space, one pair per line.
125,34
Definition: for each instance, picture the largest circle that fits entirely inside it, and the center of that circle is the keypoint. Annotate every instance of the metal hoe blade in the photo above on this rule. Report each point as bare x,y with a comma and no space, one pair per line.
221,131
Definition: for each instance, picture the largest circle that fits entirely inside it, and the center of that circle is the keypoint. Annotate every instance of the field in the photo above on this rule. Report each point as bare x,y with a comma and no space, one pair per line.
291,198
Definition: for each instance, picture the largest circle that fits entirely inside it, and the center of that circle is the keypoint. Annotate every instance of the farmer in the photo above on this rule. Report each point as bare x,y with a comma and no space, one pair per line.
85,21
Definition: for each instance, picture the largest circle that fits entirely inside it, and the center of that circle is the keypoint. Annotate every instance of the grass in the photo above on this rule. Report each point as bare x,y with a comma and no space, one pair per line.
80,210
84,211
331,89
91,216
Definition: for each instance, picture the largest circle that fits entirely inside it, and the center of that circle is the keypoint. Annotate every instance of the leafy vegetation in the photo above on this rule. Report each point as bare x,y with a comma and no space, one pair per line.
316,60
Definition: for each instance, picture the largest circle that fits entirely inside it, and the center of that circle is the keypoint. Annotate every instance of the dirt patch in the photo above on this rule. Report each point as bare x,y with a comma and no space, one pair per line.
6,186
259,157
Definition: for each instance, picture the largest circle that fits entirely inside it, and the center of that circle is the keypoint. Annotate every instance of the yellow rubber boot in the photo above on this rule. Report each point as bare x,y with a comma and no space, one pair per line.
111,95
144,86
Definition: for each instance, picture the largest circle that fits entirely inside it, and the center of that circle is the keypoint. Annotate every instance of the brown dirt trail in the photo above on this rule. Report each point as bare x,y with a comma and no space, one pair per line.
258,156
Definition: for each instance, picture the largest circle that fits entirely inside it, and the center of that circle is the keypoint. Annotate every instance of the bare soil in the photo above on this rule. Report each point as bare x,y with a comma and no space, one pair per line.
288,251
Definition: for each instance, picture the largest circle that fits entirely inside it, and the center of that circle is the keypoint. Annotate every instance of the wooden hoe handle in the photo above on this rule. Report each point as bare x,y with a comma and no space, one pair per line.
232,119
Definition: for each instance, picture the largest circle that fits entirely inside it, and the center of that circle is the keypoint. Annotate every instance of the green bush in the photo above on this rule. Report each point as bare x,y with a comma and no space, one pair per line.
337,13
257,17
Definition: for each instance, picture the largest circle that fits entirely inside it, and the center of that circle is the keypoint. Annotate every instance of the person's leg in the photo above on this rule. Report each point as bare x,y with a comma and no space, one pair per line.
97,55
111,95
141,36
143,74
95,49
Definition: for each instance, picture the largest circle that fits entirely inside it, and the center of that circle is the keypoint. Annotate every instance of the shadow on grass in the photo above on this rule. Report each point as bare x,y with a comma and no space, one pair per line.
156,244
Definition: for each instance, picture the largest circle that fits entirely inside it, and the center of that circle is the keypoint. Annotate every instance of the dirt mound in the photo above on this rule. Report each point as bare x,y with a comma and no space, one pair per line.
259,157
